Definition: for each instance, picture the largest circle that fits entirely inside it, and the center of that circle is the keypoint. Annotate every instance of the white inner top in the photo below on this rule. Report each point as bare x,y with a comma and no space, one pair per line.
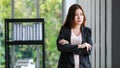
76,40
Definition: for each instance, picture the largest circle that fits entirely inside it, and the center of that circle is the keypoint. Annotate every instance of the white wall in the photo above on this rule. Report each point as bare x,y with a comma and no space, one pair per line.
65,6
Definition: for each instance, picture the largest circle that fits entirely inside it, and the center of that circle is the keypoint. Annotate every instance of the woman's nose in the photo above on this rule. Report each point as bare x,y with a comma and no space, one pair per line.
79,16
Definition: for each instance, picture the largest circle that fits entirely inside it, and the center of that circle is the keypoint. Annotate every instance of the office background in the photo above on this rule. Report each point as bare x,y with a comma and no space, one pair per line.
102,17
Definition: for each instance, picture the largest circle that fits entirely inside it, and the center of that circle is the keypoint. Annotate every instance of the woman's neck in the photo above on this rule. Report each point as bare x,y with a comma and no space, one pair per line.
76,30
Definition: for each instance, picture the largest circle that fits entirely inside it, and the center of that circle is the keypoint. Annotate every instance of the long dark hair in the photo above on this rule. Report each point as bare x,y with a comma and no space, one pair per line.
69,22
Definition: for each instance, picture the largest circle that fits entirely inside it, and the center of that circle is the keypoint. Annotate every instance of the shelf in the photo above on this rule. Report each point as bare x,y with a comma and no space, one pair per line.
15,29
28,42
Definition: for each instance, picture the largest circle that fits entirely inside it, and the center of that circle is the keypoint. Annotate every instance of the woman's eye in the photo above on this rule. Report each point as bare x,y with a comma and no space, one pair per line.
79,14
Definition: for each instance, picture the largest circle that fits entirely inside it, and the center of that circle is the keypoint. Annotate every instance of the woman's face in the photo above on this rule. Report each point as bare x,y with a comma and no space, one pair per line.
78,19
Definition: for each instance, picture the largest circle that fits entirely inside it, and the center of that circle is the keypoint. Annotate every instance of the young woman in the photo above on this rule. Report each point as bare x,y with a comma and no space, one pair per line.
74,40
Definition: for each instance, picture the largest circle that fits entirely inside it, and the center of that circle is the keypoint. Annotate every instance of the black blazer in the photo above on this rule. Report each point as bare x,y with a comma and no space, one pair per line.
66,59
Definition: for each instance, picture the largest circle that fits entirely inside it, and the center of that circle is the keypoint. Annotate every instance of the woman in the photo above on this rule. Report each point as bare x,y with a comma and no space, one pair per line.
74,40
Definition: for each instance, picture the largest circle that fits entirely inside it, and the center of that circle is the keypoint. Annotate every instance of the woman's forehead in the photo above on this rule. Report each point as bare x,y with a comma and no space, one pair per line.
78,11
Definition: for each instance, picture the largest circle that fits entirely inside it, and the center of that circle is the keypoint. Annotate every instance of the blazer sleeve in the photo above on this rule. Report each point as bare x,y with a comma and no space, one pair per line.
66,47
89,40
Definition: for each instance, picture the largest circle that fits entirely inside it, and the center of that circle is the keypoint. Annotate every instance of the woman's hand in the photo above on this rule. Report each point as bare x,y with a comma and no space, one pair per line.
63,41
87,45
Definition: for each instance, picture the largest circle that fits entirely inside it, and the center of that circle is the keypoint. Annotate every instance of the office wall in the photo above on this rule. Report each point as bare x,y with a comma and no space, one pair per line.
65,6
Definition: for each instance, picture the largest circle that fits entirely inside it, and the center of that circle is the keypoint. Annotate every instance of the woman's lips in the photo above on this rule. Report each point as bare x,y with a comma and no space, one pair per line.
79,20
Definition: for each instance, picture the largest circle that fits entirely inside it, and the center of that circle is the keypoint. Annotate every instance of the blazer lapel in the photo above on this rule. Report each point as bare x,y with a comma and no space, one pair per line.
83,34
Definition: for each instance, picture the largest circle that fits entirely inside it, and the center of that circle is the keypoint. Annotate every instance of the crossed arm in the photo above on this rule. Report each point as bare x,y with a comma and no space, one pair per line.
63,44
84,45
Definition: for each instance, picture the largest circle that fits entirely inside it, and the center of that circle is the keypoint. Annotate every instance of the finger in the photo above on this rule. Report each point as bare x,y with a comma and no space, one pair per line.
63,43
62,40
87,47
